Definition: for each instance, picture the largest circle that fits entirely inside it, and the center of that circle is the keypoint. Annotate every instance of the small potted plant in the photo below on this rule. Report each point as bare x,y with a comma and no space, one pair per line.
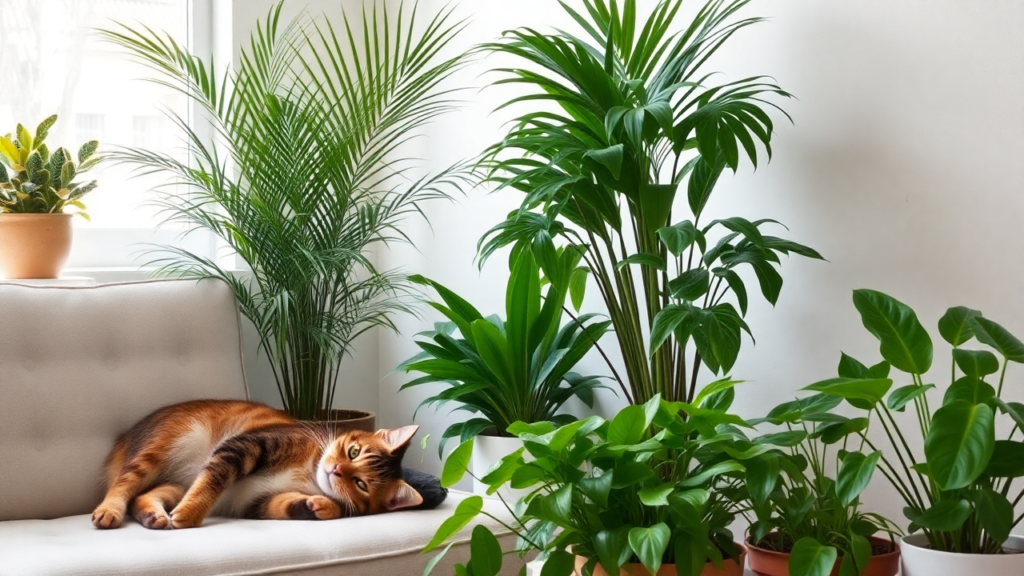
651,491
512,370
960,490
36,186
808,524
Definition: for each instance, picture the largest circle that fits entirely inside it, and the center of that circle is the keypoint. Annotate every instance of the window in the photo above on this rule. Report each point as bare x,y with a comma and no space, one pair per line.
57,64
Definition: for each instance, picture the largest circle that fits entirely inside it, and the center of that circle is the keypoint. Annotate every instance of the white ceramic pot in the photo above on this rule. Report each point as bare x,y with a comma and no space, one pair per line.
920,560
487,450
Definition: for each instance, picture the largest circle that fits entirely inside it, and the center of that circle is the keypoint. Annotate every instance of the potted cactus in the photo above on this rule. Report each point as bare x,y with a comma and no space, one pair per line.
36,185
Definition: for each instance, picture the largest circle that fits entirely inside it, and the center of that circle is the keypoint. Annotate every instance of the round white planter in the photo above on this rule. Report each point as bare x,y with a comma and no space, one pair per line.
919,560
486,451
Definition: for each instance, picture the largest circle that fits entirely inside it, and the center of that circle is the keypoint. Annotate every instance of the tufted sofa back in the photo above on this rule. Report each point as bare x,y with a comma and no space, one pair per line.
79,366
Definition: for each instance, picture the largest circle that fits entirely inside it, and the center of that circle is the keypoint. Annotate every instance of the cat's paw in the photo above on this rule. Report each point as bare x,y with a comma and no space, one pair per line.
185,519
323,507
155,520
106,517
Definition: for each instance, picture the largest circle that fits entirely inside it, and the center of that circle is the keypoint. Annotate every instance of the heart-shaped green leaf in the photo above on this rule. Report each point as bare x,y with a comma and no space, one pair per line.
959,444
944,516
904,343
809,558
854,475
649,545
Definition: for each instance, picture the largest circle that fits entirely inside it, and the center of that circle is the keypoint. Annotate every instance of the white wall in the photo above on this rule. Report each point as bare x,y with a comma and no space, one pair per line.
904,168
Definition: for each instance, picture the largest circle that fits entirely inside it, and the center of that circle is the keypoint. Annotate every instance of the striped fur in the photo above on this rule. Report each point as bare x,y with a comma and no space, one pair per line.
243,459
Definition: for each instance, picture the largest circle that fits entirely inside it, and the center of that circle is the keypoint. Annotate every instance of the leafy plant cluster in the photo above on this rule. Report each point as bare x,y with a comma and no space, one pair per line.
960,489
797,507
513,369
307,175
630,124
605,490
35,180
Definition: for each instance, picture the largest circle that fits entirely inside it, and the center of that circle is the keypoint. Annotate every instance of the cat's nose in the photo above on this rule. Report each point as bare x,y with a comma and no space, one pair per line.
330,469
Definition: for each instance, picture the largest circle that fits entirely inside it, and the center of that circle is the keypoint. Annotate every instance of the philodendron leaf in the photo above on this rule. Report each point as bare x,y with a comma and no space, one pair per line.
955,325
969,389
854,475
456,464
900,397
485,552
657,495
903,341
988,332
612,548
809,558
853,389
944,516
690,285
1007,460
464,513
558,563
994,512
976,363
649,545
861,548
959,444
762,475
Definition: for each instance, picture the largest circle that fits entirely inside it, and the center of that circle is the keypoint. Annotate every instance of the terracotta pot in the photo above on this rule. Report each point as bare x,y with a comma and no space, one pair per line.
343,420
772,563
729,568
34,245
920,560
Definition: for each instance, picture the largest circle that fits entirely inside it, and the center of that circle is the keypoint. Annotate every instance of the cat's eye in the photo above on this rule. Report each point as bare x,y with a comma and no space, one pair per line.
353,451
361,485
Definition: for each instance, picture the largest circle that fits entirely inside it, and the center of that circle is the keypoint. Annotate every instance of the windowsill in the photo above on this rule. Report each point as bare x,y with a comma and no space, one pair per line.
107,275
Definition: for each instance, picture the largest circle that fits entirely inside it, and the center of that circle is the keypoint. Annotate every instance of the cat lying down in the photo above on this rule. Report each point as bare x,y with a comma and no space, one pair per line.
246,460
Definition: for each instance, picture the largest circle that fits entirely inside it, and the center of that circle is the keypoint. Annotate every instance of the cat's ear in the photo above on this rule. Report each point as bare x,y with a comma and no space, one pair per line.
404,497
398,437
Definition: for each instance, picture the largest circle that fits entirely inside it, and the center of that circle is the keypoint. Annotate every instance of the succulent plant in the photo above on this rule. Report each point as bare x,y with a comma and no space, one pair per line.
36,181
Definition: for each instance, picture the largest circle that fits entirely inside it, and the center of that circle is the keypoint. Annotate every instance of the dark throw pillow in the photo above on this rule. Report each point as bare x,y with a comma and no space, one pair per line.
429,487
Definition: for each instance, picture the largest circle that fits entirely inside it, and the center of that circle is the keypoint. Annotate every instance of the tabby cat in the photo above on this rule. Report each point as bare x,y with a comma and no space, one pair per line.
243,459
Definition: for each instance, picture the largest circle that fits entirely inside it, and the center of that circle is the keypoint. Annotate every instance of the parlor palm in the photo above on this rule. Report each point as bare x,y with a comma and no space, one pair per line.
303,174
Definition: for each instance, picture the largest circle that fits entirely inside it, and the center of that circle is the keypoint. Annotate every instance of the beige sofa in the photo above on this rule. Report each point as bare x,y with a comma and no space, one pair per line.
78,366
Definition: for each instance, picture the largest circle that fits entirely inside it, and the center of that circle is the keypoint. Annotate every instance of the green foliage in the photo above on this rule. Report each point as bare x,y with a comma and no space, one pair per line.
795,504
35,180
648,486
957,491
306,175
512,370
622,123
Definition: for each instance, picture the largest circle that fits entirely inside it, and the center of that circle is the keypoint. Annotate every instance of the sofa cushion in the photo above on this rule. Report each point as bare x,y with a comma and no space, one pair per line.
381,545
80,365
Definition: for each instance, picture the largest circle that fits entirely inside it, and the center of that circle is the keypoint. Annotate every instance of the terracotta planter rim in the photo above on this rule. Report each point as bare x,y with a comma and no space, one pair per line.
345,415
32,215
751,546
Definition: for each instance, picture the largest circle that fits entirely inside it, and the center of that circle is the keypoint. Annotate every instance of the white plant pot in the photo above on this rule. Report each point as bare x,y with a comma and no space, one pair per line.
920,560
487,450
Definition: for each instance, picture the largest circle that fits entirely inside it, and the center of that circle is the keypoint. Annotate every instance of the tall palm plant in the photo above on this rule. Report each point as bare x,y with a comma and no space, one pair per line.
302,175
622,121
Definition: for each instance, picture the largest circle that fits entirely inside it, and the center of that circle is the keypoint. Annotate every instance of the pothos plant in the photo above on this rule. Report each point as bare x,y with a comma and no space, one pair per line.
960,490
599,493
627,124
35,180
797,507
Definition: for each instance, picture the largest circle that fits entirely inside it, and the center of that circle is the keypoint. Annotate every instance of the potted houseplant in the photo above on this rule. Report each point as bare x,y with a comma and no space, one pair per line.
602,501
959,490
306,175
807,523
505,371
36,186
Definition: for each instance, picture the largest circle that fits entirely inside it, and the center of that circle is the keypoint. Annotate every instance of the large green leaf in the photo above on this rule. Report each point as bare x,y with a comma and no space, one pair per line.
558,563
900,397
855,475
994,512
690,285
959,443
628,426
762,475
955,325
904,343
612,548
868,390
485,552
988,332
976,363
1007,460
649,544
457,463
810,558
943,516
465,511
